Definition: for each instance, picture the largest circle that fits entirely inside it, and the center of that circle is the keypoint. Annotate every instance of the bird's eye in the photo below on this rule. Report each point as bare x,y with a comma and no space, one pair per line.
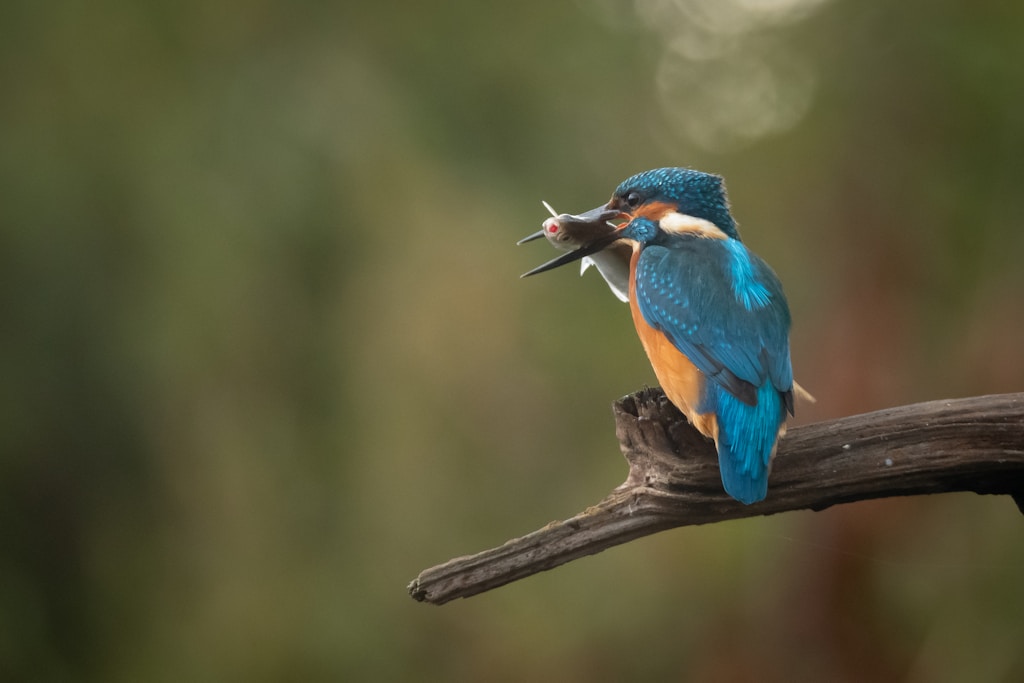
633,199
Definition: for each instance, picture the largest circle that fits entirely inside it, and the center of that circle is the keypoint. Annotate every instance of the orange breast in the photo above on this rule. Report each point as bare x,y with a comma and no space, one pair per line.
680,379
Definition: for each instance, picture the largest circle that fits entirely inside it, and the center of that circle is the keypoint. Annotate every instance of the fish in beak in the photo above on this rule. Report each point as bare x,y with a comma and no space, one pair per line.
592,239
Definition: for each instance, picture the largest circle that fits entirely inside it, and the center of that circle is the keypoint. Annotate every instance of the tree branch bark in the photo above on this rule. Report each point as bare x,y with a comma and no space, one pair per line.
973,444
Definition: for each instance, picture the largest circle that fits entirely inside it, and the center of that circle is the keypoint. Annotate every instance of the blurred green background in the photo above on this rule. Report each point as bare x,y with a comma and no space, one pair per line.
266,353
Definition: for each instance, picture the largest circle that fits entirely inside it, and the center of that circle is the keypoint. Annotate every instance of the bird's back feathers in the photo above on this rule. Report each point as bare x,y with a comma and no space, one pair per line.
723,309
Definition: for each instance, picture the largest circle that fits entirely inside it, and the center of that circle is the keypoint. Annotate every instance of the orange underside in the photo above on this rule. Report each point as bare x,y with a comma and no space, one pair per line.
680,379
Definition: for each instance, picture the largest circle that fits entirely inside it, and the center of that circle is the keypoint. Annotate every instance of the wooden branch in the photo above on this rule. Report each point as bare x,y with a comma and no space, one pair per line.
973,444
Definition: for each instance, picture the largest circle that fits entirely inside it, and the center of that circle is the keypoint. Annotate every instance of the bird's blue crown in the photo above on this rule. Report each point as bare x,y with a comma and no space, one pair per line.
697,194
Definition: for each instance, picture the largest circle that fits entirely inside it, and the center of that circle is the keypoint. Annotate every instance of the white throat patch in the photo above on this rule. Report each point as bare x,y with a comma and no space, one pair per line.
681,224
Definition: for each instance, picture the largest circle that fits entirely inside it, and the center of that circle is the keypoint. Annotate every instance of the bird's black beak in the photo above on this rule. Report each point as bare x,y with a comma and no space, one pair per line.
595,222
598,217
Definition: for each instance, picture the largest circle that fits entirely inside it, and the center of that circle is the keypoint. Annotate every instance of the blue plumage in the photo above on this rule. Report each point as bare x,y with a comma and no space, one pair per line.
746,439
686,288
724,309
747,283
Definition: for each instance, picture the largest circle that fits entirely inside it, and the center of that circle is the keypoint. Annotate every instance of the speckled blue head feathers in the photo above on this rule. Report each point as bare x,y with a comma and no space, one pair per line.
697,194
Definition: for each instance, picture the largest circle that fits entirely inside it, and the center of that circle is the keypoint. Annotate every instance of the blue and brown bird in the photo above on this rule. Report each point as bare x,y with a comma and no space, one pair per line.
710,314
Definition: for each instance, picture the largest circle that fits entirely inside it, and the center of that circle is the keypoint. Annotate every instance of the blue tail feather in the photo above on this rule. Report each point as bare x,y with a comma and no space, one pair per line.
746,439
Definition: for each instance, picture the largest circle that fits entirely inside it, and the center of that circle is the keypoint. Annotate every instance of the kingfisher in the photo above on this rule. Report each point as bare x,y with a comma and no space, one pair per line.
711,314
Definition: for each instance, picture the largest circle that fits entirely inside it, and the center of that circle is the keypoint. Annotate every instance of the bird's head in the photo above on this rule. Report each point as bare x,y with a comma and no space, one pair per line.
656,203
675,200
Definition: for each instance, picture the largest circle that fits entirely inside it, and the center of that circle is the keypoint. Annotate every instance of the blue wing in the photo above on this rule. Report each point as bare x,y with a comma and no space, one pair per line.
723,307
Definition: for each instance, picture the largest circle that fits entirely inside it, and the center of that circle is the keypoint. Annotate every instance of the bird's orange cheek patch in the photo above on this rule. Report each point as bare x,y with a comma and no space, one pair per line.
654,211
